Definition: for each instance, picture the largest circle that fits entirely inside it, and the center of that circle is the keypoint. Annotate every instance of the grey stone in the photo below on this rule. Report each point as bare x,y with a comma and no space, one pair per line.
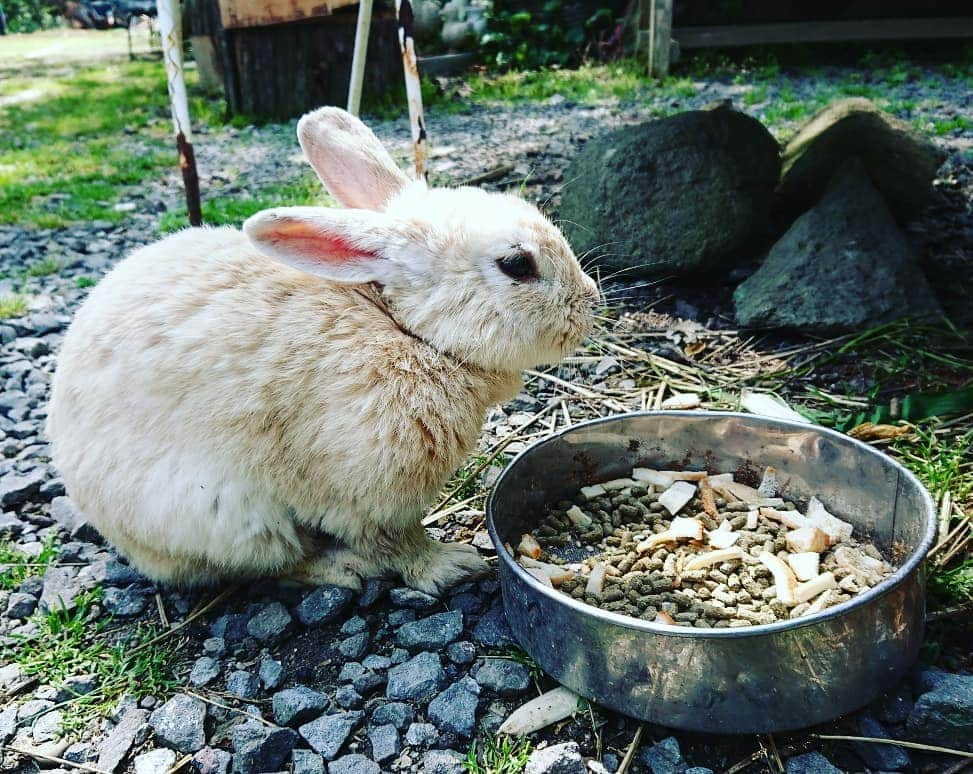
120,739
350,671
431,633
698,770
368,681
454,710
20,605
347,697
411,598
397,713
399,656
61,587
372,591
419,678
79,752
204,671
557,759
8,723
503,676
401,616
883,757
16,489
271,672
492,630
901,162
35,707
443,762
257,747
323,604
125,603
231,627
328,733
356,763
944,715
243,684
211,760
354,625
118,574
810,763
179,723
664,757
354,647
270,621
155,762
307,762
10,525
421,735
297,705
929,680
842,266
676,196
47,726
377,663
216,647
77,685
385,742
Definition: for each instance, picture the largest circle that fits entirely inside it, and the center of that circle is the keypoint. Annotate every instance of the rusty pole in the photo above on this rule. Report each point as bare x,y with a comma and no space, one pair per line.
413,86
170,27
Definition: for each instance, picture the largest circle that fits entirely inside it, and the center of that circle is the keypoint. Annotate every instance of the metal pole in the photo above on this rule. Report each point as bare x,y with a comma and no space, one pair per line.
170,29
358,58
413,86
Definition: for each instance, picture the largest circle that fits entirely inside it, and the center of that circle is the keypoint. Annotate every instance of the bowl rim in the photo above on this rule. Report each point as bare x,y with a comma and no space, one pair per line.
898,577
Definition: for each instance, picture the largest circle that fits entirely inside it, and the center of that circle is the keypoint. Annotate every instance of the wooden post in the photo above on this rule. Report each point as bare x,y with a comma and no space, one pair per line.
170,28
660,37
358,58
413,85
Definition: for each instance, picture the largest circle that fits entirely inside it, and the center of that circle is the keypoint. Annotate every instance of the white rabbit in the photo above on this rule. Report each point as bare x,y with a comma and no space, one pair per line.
287,400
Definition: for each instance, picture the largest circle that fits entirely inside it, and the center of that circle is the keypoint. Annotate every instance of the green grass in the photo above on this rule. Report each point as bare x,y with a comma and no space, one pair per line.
756,95
513,653
497,755
70,642
233,210
68,152
13,305
85,282
952,586
15,567
43,268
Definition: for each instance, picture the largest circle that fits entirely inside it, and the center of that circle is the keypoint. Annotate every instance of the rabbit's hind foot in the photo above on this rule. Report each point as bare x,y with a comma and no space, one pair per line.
443,565
335,567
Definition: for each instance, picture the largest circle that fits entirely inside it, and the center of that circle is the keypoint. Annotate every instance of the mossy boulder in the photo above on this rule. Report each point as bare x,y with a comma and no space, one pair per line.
842,266
683,195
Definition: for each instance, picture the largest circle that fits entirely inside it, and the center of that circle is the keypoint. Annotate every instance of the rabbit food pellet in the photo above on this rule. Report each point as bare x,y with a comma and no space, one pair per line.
693,549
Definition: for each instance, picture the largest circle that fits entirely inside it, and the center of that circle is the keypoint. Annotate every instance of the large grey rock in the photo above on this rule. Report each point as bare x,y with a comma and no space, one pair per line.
431,633
676,196
20,605
243,684
385,742
328,733
297,705
900,161
155,761
205,670
398,713
257,747
421,735
944,715
454,710
270,621
842,266
557,759
126,603
120,739
307,762
443,762
179,723
419,678
61,587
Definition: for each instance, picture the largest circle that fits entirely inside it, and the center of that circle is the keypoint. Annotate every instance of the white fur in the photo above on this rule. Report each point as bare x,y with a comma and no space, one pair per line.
216,412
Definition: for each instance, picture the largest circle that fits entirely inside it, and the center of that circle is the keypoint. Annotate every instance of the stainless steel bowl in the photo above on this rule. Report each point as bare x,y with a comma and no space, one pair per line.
785,675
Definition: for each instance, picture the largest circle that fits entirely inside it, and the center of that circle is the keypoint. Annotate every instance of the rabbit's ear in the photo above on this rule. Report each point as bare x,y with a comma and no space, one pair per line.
340,245
349,159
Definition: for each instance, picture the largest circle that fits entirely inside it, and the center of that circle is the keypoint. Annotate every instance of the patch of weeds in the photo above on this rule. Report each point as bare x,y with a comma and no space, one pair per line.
942,463
16,567
513,653
85,282
233,210
756,95
497,755
623,80
75,642
13,305
63,161
950,125
43,268
953,586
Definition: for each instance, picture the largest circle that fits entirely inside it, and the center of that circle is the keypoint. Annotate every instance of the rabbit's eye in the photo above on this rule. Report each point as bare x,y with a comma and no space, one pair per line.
519,266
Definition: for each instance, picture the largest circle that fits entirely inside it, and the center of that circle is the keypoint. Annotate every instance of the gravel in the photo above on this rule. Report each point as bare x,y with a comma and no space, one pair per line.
179,723
323,604
454,710
297,705
385,742
211,761
418,678
432,633
503,676
257,747
557,759
665,757
328,733
204,671
271,621
155,762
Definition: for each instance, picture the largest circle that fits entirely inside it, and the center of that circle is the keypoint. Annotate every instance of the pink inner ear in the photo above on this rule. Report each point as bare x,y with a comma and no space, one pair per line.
307,240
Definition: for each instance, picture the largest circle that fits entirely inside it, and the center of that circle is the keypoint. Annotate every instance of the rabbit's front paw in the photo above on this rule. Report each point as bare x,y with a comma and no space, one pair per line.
445,565
335,567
